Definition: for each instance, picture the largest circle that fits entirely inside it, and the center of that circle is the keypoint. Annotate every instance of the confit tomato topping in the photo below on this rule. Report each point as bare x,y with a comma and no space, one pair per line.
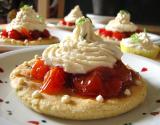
54,81
70,23
25,34
14,34
89,85
103,81
105,32
116,35
108,82
39,70
4,33
35,34
45,34
113,88
63,22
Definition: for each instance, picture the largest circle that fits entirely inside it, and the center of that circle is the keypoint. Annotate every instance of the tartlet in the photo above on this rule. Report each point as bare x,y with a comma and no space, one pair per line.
28,28
68,22
80,78
118,28
140,44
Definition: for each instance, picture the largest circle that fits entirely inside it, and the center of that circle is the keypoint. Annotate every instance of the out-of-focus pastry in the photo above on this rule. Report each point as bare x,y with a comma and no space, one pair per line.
69,21
28,28
118,28
140,44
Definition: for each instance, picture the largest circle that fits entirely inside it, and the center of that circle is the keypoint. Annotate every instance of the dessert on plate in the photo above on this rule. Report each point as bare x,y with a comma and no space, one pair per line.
140,44
69,21
118,28
79,78
28,28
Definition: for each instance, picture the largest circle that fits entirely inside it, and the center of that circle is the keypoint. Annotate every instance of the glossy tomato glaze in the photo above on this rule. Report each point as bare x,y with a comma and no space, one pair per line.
116,35
25,34
108,82
63,22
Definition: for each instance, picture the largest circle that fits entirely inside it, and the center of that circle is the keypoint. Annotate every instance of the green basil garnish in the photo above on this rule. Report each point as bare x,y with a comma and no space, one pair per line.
135,38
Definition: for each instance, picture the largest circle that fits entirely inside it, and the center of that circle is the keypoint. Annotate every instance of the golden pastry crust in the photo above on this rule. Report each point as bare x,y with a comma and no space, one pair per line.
43,41
78,108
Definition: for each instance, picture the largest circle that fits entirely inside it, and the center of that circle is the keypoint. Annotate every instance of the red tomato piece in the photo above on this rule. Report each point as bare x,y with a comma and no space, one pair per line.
105,32
45,34
90,85
122,73
39,70
35,34
108,33
70,23
4,33
113,88
62,22
25,33
139,30
101,31
118,35
14,34
54,81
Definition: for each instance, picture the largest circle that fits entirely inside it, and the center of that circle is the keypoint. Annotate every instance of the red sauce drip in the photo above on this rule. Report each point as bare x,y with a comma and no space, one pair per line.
144,113
34,122
1,100
108,82
154,113
158,101
25,34
1,81
1,70
144,69
115,35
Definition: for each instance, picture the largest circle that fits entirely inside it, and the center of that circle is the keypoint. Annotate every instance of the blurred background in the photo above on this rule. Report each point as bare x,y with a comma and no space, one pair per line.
142,11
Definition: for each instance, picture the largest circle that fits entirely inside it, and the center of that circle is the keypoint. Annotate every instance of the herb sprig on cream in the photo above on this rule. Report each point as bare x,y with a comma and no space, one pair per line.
83,51
135,38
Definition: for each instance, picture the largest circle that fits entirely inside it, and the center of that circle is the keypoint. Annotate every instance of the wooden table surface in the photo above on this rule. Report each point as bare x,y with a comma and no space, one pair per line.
150,28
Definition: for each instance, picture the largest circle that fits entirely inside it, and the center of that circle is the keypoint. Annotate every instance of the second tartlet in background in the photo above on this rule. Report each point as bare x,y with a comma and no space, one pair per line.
118,28
69,21
28,28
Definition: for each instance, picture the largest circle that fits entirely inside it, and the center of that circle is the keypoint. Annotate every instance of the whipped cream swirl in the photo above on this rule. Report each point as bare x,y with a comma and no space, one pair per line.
73,15
121,23
27,18
82,52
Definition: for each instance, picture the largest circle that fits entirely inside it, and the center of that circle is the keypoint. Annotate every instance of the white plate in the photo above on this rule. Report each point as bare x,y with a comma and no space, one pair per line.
21,114
96,26
99,18
61,34
53,24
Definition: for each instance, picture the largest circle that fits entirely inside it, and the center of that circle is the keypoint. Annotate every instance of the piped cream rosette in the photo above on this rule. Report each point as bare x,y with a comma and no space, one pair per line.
83,51
121,23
